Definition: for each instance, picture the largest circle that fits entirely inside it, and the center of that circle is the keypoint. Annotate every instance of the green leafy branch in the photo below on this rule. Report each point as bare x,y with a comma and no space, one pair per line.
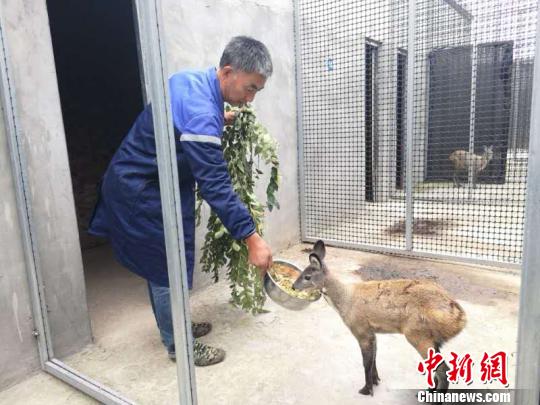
245,144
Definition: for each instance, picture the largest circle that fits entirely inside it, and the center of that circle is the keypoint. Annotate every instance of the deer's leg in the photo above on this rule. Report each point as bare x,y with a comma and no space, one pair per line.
422,345
367,345
441,377
456,180
376,379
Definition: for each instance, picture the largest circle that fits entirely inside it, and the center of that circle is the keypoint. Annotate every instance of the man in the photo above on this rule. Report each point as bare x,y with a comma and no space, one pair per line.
128,211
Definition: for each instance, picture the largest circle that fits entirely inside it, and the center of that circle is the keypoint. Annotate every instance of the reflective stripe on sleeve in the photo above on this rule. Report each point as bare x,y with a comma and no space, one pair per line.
200,138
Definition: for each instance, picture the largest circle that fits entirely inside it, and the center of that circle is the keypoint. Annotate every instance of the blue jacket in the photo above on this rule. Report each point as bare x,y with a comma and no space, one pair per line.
128,211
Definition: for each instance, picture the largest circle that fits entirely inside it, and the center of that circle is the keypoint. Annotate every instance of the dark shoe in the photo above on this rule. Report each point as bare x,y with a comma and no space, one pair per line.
200,329
172,355
204,355
207,355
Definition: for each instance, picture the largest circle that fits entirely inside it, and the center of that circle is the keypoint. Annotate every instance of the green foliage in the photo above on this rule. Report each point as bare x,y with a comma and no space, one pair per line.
245,144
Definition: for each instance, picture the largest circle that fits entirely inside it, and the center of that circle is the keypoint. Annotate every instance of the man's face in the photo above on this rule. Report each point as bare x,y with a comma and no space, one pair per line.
239,87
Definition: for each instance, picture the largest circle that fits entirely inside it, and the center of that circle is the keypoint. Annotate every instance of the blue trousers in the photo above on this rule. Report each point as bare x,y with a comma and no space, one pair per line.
160,298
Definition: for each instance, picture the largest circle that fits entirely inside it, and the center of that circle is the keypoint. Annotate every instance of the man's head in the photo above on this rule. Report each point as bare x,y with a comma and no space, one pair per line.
243,69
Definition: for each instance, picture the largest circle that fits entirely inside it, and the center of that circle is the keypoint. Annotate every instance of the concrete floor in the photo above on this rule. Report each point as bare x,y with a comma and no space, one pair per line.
477,231
280,357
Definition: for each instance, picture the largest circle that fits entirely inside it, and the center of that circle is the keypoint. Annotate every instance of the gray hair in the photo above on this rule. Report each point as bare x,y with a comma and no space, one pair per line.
248,55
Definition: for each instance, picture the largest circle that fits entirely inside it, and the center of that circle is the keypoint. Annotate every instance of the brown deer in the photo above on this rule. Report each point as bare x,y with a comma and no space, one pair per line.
462,160
419,309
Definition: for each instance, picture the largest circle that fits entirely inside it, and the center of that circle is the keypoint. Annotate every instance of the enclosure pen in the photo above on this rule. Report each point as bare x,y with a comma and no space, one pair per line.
470,109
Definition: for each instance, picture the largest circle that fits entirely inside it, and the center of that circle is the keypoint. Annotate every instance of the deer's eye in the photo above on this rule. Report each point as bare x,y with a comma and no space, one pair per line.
307,277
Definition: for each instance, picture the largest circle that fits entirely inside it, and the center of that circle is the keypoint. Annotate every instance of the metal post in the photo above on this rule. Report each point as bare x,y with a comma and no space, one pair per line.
411,62
299,120
474,67
155,72
375,120
528,356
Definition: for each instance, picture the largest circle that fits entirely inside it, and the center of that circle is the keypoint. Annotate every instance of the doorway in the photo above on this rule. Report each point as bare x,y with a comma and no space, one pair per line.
449,108
99,80
370,118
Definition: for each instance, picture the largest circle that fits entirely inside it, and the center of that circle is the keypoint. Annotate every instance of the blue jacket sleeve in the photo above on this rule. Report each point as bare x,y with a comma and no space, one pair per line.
201,144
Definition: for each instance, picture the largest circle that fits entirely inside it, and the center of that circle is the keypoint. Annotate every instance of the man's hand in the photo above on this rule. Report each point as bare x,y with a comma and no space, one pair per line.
230,116
259,252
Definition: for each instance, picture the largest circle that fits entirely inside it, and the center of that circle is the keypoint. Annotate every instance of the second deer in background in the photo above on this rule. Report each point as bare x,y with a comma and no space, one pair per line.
463,160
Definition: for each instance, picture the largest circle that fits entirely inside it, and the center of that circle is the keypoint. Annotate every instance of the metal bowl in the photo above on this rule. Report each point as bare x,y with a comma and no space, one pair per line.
280,296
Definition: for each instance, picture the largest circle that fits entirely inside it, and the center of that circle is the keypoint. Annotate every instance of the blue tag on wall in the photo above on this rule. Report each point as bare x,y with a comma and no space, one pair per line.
329,64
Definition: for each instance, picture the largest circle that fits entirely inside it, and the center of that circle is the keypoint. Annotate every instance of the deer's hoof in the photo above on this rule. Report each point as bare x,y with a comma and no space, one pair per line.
433,391
442,384
366,390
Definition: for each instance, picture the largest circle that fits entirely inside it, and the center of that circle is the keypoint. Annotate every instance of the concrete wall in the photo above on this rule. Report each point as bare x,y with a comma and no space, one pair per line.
18,352
34,80
196,33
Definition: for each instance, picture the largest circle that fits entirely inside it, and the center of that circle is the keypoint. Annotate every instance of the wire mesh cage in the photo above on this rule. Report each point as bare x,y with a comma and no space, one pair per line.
471,64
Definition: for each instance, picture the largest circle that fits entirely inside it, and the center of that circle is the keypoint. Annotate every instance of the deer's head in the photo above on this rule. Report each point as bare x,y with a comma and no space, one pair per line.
315,273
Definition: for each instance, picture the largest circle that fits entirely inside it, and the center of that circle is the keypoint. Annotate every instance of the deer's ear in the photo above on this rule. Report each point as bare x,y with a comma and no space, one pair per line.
315,261
319,249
